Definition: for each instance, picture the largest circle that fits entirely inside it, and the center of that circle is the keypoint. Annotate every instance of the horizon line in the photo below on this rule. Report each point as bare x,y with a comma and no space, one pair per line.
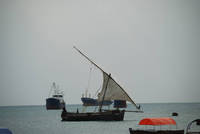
81,104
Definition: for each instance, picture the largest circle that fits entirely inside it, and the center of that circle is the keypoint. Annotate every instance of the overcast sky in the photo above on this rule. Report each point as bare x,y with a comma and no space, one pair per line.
150,47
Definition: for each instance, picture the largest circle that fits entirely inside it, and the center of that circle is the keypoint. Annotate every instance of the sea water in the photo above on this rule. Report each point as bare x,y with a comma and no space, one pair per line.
38,120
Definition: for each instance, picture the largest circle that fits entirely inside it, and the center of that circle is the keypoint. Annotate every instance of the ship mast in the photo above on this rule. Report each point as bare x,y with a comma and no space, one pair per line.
100,107
89,60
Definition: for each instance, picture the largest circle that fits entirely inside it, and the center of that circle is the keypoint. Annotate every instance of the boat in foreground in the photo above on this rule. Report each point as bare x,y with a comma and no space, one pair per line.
110,91
156,131
156,122
110,115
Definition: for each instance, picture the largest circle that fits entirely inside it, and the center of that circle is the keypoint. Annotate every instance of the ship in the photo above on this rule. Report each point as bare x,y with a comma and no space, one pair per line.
111,91
88,101
56,100
92,101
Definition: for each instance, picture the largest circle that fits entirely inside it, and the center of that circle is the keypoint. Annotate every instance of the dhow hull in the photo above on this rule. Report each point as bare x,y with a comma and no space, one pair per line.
114,115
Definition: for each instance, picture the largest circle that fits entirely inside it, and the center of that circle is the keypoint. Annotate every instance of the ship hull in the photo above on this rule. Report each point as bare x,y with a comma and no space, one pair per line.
114,115
94,102
156,131
53,104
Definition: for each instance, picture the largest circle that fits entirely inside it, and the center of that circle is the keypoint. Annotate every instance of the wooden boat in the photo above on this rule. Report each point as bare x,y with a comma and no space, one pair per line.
111,90
156,122
109,115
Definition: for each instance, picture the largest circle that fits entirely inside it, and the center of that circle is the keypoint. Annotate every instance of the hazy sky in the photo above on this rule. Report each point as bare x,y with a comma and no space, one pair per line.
150,47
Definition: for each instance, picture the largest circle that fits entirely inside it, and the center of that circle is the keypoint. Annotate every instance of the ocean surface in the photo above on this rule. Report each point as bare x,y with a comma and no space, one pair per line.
37,120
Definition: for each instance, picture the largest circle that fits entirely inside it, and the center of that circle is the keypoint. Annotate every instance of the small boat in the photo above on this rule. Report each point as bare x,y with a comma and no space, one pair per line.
110,91
156,122
56,101
174,114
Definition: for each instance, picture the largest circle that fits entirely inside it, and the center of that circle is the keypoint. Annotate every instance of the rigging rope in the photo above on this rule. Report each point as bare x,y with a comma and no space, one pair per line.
88,84
96,93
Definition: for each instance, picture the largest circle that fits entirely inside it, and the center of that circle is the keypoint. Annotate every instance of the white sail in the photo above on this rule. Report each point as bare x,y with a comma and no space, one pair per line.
111,90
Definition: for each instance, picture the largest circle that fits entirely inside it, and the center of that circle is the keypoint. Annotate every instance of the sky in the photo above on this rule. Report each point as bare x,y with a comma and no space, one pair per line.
151,48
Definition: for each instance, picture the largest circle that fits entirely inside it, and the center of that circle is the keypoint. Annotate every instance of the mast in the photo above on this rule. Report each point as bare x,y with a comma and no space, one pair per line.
104,93
89,59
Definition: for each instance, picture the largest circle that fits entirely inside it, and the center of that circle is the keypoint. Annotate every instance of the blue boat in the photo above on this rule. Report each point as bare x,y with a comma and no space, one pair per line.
5,131
56,101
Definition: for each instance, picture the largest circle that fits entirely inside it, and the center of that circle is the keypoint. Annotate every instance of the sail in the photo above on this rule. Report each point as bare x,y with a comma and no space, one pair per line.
111,90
